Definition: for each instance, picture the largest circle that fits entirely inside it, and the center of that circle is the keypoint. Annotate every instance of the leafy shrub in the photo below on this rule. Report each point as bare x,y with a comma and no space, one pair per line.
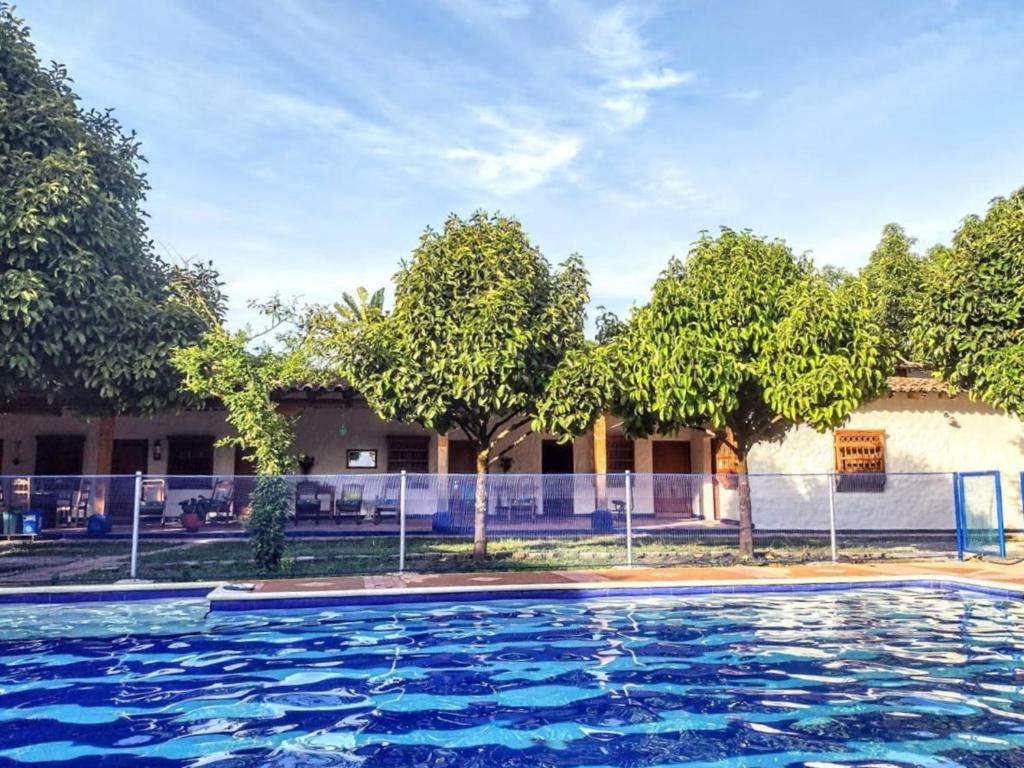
269,502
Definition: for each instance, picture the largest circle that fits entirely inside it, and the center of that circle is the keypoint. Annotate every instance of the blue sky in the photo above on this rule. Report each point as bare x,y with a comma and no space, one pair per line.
303,146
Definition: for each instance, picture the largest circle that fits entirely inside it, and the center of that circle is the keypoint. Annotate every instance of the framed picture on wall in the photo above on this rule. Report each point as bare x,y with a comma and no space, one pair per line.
360,458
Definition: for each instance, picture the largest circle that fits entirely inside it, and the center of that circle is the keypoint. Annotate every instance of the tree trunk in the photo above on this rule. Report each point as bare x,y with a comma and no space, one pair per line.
483,460
746,511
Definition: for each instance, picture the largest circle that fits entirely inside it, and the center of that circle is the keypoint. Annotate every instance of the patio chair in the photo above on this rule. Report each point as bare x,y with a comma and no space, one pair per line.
153,501
220,505
73,503
216,505
350,504
522,505
309,501
387,503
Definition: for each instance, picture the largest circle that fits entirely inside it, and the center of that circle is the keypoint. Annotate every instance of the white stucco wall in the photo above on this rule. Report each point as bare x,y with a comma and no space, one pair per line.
923,434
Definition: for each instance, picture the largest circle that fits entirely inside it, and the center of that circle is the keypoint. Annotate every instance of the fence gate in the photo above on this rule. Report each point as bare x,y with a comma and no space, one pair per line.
978,498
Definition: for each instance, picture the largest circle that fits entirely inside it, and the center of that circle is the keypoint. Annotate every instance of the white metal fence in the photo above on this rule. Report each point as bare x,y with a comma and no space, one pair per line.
375,522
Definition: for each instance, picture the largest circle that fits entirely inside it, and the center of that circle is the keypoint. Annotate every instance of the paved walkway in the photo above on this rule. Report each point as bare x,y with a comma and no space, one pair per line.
1011,574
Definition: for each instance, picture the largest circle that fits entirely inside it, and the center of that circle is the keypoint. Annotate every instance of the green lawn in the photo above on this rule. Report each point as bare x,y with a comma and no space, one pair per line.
230,559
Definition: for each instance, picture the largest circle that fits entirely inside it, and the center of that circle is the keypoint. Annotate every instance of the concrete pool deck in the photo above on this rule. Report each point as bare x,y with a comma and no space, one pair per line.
998,578
983,575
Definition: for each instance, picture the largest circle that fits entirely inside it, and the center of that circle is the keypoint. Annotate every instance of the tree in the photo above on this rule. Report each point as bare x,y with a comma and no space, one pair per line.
746,340
358,307
245,375
893,277
480,324
89,314
970,325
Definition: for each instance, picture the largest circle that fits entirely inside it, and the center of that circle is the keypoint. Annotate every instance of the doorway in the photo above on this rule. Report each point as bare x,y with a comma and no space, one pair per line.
556,463
126,458
673,491
555,458
461,458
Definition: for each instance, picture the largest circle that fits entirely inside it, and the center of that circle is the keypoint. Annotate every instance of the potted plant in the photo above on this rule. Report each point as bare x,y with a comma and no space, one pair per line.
306,463
193,514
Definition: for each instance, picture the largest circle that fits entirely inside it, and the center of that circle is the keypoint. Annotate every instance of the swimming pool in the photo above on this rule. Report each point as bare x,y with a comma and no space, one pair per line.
876,678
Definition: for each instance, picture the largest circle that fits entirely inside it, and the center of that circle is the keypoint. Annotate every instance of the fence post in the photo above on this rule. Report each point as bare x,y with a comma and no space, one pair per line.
958,517
832,514
136,509
401,524
629,519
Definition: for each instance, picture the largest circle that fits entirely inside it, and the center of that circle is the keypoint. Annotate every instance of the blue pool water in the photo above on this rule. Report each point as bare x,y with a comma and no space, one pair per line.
871,678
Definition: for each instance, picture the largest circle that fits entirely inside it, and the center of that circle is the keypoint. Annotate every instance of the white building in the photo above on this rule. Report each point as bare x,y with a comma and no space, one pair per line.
905,439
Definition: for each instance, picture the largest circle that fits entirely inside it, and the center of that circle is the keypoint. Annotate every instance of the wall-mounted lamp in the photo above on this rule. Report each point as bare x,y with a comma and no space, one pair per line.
158,450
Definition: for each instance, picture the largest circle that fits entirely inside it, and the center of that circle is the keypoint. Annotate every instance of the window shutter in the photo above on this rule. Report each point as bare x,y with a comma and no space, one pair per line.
408,452
860,460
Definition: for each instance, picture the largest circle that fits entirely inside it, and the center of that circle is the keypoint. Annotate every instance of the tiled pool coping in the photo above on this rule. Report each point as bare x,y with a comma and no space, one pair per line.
223,599
105,593
555,586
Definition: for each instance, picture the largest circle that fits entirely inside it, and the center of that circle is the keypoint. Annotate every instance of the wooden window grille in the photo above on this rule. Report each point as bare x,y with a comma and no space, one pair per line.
190,462
860,460
726,464
410,453
621,455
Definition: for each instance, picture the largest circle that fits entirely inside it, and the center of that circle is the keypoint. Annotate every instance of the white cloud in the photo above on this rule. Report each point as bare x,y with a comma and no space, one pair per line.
629,67
671,187
519,158
614,40
664,78
630,109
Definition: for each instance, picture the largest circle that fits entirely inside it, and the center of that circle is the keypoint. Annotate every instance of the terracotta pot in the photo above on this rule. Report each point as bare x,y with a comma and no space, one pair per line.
191,521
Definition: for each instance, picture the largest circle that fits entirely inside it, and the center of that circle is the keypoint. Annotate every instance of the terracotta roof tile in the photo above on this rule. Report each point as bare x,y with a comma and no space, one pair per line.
916,384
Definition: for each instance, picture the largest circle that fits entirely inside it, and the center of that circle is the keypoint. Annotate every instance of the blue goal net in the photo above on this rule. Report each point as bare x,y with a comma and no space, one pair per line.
979,513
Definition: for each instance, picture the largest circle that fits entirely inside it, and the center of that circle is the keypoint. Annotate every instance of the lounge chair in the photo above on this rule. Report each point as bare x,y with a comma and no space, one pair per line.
387,503
153,501
309,498
215,506
350,504
73,503
221,502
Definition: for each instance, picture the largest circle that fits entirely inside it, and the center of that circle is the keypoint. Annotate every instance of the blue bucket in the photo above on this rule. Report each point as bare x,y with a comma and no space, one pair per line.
31,522
97,525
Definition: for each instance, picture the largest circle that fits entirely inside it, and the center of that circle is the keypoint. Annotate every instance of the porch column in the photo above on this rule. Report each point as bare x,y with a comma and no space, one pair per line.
442,454
601,461
104,461
707,485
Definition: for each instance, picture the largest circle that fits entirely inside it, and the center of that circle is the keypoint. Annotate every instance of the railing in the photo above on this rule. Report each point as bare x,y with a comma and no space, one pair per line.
192,527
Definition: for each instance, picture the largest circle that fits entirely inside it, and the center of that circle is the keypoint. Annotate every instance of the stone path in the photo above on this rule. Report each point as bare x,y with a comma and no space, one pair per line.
58,569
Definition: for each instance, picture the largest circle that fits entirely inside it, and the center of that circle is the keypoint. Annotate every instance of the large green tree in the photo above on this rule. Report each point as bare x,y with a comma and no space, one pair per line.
746,340
480,324
970,327
89,314
893,276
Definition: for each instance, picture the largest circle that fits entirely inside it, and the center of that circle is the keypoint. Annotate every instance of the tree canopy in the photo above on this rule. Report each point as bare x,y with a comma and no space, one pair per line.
480,324
970,326
893,276
744,339
89,314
